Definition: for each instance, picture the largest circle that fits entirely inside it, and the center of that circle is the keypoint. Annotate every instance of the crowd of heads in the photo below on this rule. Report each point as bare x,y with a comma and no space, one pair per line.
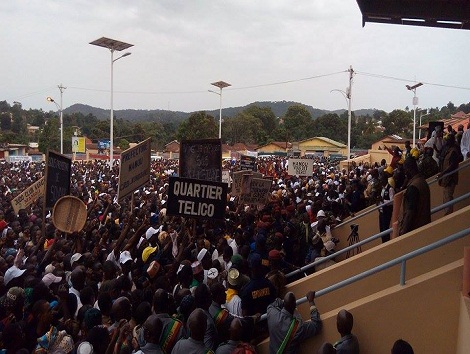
132,262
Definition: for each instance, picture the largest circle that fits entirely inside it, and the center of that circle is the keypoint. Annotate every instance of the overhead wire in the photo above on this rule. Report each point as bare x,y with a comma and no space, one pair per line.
412,81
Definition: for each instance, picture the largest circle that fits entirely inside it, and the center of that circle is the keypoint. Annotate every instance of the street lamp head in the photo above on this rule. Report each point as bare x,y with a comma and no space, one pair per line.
221,84
414,87
126,54
50,99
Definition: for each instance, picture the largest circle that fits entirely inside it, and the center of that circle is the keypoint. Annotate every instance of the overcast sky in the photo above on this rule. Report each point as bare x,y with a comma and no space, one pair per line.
180,47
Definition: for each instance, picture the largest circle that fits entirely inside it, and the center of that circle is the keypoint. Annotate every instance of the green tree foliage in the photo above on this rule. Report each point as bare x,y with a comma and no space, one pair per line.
244,128
331,126
297,120
123,144
5,121
199,125
398,122
50,136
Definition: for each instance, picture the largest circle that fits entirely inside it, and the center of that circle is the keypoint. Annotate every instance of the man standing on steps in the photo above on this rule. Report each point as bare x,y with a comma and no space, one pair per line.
416,205
286,328
451,161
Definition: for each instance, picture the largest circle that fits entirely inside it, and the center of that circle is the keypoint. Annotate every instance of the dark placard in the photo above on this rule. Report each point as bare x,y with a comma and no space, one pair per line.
201,159
134,171
58,171
196,198
248,163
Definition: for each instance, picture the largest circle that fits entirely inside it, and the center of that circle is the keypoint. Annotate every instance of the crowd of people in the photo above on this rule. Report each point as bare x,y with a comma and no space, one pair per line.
136,280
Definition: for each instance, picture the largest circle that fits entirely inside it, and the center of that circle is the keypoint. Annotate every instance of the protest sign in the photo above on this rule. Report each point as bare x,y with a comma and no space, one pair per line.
259,191
248,163
196,198
300,167
134,171
238,178
201,159
58,171
29,195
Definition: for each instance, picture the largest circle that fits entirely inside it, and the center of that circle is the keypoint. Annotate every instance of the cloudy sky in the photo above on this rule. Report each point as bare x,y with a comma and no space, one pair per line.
297,50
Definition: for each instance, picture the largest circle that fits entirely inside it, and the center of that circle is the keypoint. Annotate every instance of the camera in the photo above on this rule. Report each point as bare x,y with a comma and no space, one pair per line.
354,227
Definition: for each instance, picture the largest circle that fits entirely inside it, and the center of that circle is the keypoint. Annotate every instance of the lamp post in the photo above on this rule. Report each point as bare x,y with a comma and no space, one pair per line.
348,97
420,123
220,85
415,103
113,45
50,99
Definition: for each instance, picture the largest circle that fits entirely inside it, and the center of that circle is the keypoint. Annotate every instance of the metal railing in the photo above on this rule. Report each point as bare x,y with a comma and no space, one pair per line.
399,260
369,239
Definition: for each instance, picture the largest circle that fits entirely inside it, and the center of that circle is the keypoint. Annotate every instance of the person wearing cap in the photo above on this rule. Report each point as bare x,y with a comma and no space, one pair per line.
259,292
12,304
233,301
275,275
198,275
287,330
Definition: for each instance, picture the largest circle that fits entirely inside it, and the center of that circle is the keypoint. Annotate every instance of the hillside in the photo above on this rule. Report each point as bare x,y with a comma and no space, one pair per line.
279,108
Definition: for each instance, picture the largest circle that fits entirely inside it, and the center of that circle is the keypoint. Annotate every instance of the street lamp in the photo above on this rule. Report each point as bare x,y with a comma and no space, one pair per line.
50,99
348,97
415,103
420,123
113,45
220,85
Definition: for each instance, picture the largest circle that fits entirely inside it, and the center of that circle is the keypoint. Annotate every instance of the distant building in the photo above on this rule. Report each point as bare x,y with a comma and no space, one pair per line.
275,148
321,146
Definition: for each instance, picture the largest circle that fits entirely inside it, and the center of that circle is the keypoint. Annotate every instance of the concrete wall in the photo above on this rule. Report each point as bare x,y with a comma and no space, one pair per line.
463,339
421,237
424,312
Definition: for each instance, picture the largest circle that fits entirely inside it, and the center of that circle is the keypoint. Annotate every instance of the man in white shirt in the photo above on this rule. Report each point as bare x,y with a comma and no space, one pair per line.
465,143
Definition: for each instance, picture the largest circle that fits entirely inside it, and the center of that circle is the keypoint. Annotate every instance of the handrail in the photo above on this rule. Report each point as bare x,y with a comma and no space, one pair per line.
430,181
371,238
386,265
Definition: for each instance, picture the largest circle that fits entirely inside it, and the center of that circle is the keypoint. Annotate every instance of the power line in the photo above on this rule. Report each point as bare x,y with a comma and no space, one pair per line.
408,80
231,89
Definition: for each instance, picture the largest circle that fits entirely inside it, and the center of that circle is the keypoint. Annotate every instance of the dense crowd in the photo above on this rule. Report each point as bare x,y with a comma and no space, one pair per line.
138,280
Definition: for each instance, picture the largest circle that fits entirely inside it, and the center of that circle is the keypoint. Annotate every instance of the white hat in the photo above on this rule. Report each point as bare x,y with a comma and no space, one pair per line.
150,232
124,257
321,213
76,257
49,268
212,273
85,348
12,273
50,278
201,254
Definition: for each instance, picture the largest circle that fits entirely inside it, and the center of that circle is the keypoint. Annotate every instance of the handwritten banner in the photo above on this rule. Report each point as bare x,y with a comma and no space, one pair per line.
201,159
238,179
134,171
58,171
258,191
300,167
29,195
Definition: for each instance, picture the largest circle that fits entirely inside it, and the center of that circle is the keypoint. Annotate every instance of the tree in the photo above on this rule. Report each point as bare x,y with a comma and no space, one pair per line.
199,125
296,121
124,144
265,115
331,126
244,128
5,121
398,122
49,138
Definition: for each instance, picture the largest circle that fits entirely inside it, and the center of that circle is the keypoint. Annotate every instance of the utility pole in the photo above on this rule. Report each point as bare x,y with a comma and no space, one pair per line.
349,97
61,89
